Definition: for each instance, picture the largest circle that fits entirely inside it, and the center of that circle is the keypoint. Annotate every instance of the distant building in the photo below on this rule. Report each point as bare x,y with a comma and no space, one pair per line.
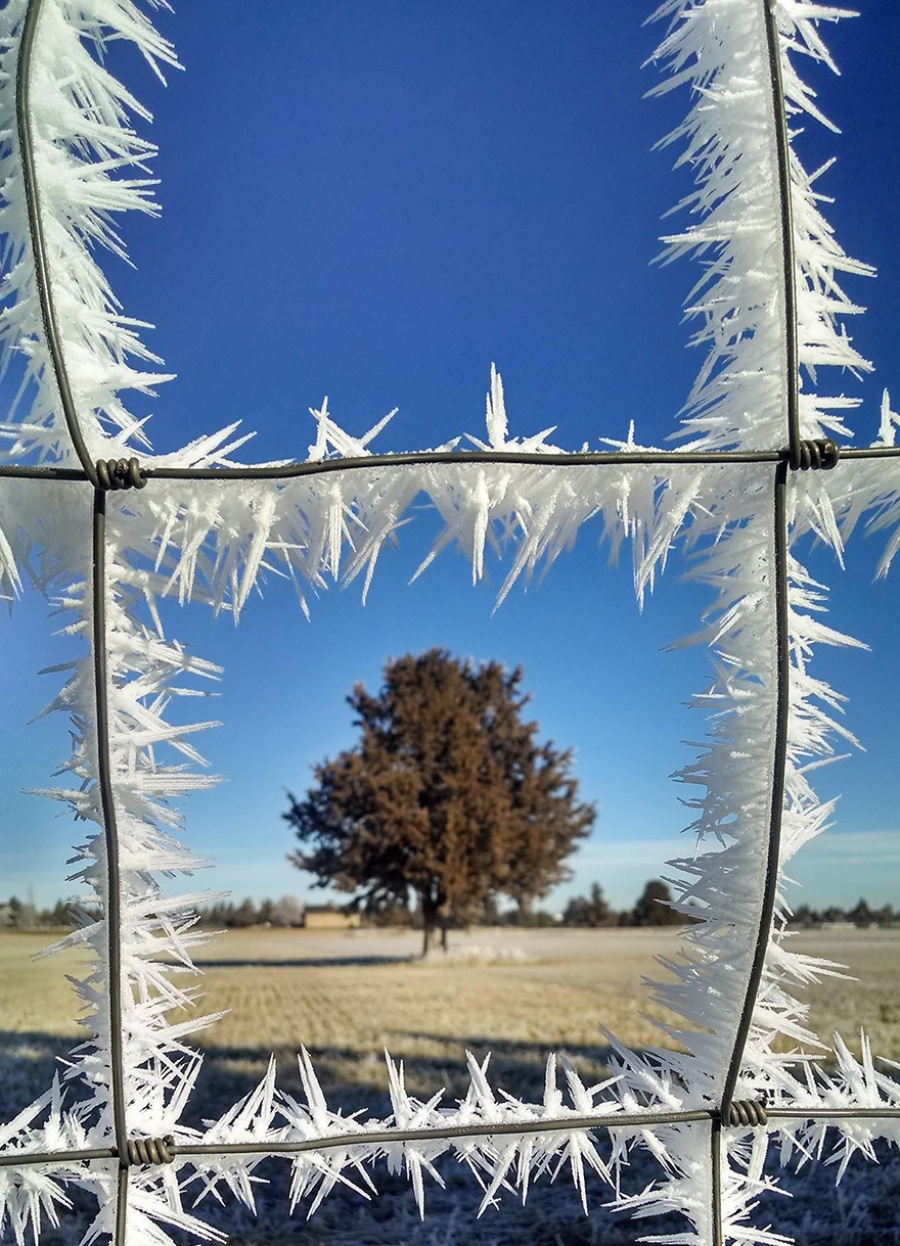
329,917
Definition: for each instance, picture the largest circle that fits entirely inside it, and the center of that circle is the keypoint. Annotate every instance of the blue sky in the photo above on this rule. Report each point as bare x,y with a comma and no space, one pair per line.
374,202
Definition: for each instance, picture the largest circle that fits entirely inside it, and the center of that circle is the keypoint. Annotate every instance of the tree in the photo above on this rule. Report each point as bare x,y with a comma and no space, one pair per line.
861,914
653,906
805,916
588,911
245,914
288,911
447,796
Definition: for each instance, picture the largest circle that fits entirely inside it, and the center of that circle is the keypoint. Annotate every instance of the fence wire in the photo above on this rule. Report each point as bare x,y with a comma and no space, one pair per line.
102,476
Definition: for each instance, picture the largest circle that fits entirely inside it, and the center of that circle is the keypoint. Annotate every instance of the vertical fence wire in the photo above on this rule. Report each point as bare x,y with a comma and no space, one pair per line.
781,539
38,241
113,906
779,578
782,140
779,574
715,1164
50,325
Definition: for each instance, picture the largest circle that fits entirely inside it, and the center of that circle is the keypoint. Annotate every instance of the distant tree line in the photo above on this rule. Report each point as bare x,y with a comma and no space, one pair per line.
652,908
283,913
860,915
20,915
66,914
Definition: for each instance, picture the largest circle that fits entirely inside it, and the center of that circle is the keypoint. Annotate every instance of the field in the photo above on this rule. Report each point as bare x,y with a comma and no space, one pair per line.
349,995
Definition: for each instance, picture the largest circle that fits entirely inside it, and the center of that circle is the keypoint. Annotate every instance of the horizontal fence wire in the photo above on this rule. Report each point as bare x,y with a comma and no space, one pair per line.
474,458
484,1129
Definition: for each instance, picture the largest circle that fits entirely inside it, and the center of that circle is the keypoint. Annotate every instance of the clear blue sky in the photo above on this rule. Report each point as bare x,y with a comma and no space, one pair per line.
373,202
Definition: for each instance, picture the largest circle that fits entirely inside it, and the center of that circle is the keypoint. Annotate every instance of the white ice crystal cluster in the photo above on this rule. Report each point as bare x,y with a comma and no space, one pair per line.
211,540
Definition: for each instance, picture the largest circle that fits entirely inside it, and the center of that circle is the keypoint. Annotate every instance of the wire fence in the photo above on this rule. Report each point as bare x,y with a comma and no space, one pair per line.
100,478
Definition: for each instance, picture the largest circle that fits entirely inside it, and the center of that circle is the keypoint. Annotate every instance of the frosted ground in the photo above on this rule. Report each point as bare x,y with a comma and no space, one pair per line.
347,995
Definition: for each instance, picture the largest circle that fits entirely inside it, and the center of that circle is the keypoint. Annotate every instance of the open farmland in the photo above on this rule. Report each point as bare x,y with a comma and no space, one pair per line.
348,995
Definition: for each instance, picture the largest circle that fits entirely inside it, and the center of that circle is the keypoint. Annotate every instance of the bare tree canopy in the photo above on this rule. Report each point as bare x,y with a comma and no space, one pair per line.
448,797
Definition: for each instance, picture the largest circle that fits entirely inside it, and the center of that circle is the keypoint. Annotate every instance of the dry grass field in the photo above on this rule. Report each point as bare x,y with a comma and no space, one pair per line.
349,995
362,990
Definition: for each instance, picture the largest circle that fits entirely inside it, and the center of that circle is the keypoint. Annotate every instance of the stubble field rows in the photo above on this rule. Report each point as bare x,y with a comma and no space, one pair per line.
350,994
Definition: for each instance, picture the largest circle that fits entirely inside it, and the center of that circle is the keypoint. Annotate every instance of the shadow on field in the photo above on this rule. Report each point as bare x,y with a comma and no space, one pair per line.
354,1079
351,1078
28,1062
308,962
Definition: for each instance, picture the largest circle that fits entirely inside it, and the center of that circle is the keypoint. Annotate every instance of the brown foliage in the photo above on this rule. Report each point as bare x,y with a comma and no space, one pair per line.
447,795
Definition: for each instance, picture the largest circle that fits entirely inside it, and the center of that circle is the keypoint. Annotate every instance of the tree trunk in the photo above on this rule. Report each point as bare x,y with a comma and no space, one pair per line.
435,916
429,922
443,914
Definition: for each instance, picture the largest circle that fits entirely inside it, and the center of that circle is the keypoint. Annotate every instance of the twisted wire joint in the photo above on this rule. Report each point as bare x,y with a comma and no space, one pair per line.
813,455
119,474
745,1112
149,1151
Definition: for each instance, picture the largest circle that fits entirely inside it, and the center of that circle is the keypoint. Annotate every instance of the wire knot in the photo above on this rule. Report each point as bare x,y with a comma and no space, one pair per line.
119,474
806,455
745,1112
150,1151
